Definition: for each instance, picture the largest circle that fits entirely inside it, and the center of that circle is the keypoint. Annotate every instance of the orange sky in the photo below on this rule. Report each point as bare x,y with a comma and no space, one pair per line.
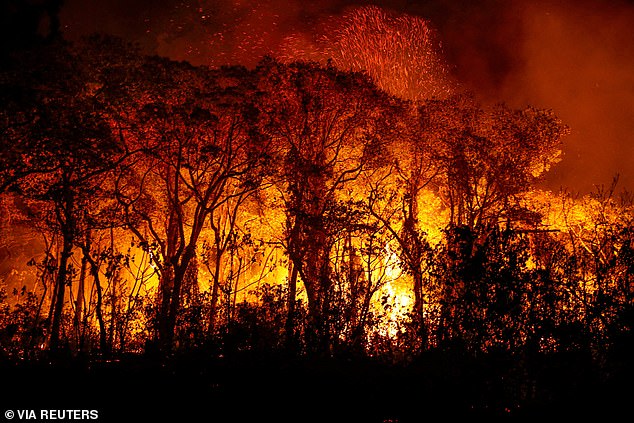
575,57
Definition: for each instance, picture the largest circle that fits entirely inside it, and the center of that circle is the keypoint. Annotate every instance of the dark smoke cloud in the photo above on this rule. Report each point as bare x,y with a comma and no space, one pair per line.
212,32
575,57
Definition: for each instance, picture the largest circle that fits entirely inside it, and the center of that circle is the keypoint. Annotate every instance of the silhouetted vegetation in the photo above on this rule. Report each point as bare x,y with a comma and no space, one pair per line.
292,237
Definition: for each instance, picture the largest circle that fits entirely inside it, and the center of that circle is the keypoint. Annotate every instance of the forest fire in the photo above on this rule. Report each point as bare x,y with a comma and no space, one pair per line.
341,202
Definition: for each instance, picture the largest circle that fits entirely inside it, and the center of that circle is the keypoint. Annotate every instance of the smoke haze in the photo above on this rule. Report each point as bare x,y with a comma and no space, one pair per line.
574,57
579,61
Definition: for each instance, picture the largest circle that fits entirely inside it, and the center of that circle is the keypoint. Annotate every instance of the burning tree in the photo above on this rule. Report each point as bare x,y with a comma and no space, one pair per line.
200,153
409,217
58,151
110,145
488,158
328,127
487,161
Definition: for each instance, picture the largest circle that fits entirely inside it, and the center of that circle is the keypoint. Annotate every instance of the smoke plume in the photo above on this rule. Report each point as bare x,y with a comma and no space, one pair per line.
574,57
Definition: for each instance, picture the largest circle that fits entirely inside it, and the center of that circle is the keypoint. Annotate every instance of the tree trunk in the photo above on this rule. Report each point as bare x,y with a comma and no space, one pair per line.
94,271
65,210
173,307
290,313
417,276
60,291
166,285
213,306
215,291
103,339
113,306
79,305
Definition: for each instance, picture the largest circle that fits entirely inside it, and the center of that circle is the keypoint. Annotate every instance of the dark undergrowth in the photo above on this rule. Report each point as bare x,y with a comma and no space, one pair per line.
258,387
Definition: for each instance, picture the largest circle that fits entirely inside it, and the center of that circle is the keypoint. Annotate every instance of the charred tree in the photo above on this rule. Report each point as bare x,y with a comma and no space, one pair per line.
326,125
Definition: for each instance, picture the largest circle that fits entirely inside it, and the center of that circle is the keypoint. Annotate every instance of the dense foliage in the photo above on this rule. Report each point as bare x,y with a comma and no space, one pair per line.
154,207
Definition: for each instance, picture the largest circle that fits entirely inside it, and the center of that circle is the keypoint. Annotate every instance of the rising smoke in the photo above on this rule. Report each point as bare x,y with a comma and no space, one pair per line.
575,57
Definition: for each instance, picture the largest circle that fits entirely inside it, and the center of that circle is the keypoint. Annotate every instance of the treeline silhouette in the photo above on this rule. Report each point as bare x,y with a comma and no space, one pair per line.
264,222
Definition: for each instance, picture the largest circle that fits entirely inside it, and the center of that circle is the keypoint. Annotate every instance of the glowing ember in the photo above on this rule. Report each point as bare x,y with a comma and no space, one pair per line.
400,52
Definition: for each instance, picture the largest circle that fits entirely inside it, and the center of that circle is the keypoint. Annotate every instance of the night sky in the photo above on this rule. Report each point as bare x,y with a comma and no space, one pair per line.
575,57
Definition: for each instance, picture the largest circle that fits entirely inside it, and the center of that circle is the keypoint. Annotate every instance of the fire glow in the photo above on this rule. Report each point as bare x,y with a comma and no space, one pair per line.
342,196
